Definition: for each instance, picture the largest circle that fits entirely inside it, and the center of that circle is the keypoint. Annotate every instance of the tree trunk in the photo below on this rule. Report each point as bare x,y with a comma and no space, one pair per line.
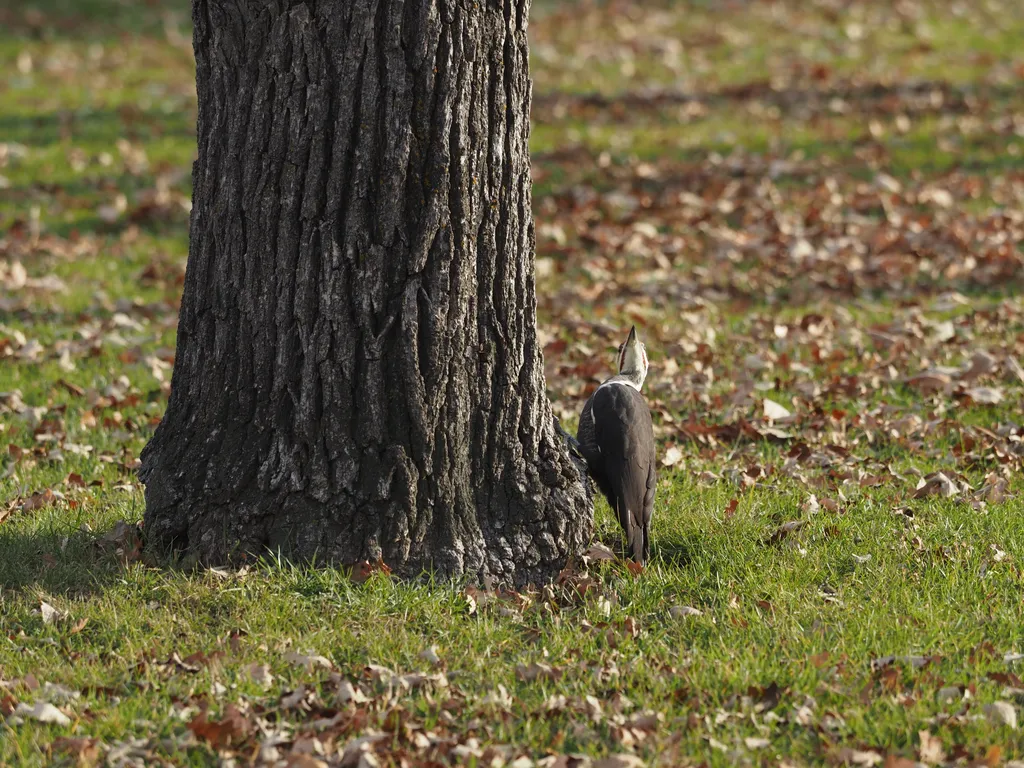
357,371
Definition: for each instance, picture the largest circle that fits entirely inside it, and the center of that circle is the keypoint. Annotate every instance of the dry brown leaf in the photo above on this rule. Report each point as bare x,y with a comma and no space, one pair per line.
930,383
418,680
930,750
599,552
673,456
431,656
43,712
985,395
50,614
1002,713
896,761
935,484
230,730
38,500
537,671
308,661
995,489
730,508
784,530
349,692
624,760
260,674
125,540
364,570
773,411
683,611
1014,369
981,364
83,751
857,757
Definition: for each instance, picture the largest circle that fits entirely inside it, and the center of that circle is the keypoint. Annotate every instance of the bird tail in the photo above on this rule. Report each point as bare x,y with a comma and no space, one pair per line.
633,527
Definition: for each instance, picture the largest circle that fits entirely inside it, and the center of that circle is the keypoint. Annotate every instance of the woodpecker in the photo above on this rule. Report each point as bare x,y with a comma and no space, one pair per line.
616,438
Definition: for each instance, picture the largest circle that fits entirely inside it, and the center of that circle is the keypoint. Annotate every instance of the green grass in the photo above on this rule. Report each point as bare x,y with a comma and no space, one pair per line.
680,214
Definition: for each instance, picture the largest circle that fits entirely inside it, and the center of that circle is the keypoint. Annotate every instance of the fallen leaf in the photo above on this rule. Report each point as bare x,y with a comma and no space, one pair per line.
981,364
229,730
929,383
39,500
949,693
7,705
348,692
59,694
985,395
379,674
537,671
930,750
619,761
1002,713
309,662
897,761
672,457
774,411
418,680
362,571
863,757
935,484
1014,368
125,540
766,698
50,614
993,757
361,747
683,611
599,552
430,656
84,751
784,530
943,331
730,508
916,662
260,674
44,712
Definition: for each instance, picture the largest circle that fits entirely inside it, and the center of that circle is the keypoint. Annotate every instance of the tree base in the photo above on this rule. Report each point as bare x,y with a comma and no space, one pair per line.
299,528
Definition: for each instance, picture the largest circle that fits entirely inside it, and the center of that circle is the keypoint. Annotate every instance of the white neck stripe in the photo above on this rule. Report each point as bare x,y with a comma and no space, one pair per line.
624,382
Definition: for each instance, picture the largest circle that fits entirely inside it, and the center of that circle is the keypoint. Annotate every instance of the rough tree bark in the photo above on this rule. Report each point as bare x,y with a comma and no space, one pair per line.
357,371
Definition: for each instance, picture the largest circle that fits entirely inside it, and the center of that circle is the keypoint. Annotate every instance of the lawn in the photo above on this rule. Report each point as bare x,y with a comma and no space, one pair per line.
813,211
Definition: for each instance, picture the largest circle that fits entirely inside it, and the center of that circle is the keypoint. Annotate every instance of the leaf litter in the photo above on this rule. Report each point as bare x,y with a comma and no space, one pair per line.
764,258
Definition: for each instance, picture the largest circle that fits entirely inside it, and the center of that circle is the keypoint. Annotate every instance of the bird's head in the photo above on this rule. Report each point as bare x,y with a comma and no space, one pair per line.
633,358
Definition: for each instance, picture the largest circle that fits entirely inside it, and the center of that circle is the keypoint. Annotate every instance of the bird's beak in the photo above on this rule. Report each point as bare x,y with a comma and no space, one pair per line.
631,339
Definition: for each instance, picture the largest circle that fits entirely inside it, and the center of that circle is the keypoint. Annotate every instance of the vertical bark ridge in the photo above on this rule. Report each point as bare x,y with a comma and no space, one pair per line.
357,371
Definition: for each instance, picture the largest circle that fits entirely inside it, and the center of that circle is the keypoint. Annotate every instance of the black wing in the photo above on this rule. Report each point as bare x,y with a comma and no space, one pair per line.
586,436
617,438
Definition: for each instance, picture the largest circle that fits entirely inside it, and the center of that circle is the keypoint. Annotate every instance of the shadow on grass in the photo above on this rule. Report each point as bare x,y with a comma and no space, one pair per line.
61,559
678,552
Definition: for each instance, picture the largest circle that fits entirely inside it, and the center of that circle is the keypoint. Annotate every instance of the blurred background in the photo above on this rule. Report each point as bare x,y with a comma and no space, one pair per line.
801,201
